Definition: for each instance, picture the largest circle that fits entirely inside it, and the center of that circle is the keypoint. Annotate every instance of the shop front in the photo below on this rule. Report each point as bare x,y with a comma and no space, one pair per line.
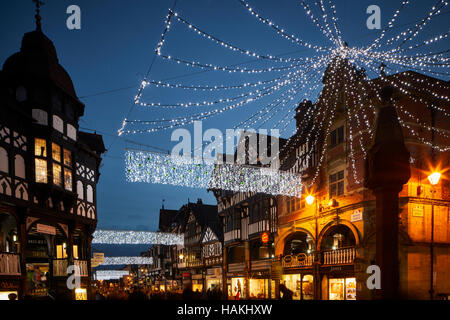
259,288
213,278
197,282
342,288
236,287
338,283
301,284
8,287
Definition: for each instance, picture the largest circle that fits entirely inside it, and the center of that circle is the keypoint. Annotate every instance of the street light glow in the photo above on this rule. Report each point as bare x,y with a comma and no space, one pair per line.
434,178
309,199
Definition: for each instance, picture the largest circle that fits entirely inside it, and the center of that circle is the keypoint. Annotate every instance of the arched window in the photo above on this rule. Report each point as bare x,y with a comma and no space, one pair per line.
339,236
80,190
90,194
298,242
3,160
19,166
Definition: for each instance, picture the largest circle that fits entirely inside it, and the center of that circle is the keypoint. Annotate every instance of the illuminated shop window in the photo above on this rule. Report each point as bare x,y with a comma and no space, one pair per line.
41,170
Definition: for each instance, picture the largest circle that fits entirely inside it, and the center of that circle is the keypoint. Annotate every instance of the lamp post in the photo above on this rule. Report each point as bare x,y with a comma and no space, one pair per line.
434,180
310,200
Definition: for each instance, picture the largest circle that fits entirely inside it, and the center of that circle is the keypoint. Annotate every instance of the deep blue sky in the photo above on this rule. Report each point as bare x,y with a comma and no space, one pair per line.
114,48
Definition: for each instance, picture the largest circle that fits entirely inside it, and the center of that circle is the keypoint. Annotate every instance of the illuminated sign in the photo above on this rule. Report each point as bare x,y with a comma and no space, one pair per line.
265,237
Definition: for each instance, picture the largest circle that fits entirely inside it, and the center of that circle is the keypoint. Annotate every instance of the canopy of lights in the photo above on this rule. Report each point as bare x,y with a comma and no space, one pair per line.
330,76
136,237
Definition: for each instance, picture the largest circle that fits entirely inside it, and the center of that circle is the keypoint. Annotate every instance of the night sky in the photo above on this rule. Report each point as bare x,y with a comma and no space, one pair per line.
115,46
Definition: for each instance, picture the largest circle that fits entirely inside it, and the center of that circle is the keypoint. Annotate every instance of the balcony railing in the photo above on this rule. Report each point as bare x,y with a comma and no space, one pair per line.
339,256
9,263
60,267
82,264
297,260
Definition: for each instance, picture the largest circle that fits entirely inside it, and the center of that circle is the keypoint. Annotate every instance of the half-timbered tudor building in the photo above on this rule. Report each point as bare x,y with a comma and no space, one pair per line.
199,218
245,217
49,170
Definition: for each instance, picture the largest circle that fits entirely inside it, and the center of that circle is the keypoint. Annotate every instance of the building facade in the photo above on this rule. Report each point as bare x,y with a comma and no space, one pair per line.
49,170
326,239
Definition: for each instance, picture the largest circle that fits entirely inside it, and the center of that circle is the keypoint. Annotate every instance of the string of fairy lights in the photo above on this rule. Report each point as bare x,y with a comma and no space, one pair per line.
346,79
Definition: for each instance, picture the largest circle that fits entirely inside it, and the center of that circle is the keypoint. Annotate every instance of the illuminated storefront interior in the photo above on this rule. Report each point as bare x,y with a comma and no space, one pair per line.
4,295
259,288
301,287
237,285
342,289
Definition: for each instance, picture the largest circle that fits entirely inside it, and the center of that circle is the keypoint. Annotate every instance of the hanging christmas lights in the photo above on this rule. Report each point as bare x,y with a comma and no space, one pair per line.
136,237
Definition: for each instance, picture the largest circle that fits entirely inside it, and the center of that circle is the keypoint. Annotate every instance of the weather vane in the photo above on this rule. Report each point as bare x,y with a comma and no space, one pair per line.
38,4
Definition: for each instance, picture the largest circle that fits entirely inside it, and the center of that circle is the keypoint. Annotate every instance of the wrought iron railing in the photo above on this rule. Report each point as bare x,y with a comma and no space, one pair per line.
297,260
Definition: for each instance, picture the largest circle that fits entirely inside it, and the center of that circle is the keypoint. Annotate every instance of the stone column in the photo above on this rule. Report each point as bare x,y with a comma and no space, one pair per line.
387,170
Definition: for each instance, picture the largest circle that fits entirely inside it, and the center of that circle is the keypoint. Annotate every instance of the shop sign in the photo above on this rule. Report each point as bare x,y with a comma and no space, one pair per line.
186,274
417,211
265,237
357,215
43,228
8,285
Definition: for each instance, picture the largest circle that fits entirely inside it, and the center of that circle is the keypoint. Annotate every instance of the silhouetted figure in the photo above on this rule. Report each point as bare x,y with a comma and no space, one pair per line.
287,294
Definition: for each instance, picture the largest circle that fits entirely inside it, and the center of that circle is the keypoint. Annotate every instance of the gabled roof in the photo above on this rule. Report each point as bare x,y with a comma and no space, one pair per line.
166,218
93,140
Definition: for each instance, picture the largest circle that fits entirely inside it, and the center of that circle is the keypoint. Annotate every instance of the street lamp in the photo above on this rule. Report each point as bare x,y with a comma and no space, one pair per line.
434,180
309,199
181,256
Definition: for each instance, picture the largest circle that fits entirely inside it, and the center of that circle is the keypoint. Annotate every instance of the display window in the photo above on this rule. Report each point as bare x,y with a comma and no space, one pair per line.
293,283
197,287
259,288
308,287
37,278
237,286
80,294
342,289
5,295
302,288
213,284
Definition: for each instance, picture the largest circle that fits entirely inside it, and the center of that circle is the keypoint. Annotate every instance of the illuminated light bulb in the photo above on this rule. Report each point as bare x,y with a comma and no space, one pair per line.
434,178
309,199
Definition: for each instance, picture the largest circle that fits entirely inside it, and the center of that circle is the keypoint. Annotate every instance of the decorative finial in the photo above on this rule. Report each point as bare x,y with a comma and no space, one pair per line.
163,200
382,67
37,16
